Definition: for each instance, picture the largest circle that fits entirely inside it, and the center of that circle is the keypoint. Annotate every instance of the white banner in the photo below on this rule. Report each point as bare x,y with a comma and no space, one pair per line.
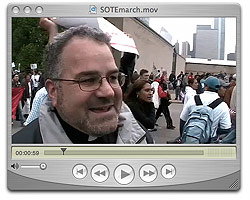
119,40
33,66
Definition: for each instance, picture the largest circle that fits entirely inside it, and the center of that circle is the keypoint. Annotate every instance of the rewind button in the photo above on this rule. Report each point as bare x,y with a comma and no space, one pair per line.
148,173
100,173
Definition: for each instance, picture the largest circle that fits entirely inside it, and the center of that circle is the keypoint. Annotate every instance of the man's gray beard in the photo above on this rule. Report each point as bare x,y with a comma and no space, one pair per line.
100,127
95,127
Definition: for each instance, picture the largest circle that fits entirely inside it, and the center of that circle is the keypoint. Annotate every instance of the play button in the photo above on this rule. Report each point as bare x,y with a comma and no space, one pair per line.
124,174
168,171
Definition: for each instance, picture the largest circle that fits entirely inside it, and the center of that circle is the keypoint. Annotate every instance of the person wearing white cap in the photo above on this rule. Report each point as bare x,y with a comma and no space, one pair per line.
221,115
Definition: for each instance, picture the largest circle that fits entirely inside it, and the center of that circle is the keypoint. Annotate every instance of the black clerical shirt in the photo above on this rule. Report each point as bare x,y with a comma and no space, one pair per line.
78,137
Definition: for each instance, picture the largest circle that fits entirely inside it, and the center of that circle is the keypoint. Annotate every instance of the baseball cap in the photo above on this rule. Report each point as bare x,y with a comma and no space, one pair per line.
212,82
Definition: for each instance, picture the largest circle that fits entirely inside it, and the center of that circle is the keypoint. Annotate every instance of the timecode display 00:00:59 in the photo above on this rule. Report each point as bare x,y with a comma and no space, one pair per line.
27,153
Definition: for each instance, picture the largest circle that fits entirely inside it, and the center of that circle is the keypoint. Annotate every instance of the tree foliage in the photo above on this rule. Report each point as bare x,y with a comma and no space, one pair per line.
28,43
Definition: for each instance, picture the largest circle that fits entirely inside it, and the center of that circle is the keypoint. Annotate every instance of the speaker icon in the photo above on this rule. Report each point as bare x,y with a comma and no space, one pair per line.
15,166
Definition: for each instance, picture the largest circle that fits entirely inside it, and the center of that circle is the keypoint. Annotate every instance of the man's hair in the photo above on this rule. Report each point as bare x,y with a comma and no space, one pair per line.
191,81
136,87
134,77
143,71
13,75
54,50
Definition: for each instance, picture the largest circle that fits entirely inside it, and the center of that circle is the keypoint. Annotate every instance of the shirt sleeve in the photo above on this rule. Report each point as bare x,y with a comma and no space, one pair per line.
35,111
225,121
187,109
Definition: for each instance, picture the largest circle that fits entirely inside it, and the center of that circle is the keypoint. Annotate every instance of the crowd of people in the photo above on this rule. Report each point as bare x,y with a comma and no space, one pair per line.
24,89
157,99
85,100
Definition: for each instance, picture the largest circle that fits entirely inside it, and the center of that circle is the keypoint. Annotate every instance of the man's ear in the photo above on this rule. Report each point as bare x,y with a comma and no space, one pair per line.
52,91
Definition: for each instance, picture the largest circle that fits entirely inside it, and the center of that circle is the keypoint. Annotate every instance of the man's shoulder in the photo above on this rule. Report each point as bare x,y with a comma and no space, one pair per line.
205,99
208,97
211,98
28,135
223,106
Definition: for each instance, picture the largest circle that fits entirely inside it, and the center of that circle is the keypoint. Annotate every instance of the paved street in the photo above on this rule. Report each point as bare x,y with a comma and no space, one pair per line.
16,126
163,134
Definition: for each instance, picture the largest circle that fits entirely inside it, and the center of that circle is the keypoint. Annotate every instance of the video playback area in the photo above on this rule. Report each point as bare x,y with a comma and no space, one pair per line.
152,91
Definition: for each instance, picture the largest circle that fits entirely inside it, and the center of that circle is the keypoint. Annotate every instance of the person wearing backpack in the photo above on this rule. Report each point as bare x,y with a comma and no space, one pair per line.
204,114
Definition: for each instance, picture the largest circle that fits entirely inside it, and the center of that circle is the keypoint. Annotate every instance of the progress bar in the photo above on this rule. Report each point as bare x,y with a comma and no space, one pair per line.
122,152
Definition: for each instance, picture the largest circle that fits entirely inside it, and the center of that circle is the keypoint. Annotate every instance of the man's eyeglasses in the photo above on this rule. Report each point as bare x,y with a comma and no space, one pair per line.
89,83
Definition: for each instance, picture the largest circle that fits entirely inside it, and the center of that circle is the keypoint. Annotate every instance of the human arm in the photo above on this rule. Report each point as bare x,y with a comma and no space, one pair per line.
40,96
187,109
182,123
50,26
225,119
233,106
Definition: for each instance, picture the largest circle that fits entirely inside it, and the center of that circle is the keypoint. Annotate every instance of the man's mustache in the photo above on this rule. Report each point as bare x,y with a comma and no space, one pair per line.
102,102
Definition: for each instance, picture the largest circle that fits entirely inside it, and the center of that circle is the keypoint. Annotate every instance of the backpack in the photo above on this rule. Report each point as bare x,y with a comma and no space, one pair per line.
198,127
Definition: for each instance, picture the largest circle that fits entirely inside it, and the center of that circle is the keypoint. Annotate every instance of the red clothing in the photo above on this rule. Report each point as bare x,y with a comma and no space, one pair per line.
164,78
162,93
17,94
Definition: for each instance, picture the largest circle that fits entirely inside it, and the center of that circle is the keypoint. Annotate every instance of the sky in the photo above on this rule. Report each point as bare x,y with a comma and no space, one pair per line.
182,29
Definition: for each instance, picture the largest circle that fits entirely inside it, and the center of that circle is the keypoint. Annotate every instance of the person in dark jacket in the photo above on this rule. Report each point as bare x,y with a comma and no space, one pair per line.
27,95
165,102
172,77
139,100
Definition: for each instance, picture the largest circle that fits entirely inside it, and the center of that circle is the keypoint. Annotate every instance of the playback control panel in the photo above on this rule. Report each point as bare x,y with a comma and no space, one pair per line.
123,174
